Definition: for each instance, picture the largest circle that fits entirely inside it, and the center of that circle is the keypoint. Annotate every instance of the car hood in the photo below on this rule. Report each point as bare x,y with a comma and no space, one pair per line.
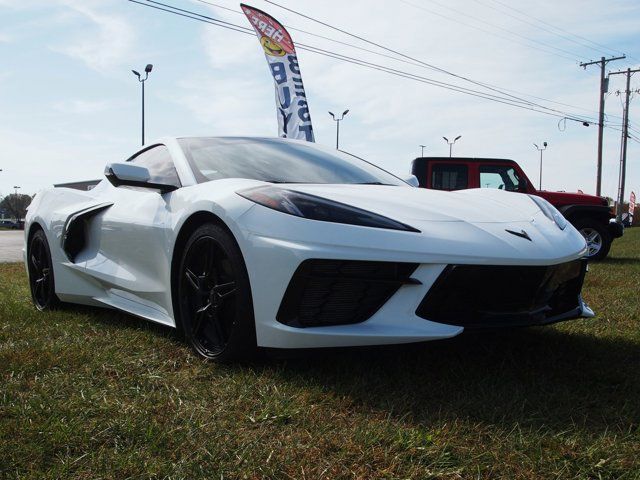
408,203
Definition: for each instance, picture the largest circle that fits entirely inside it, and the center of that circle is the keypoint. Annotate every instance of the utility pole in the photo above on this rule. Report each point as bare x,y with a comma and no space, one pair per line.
604,86
421,154
625,135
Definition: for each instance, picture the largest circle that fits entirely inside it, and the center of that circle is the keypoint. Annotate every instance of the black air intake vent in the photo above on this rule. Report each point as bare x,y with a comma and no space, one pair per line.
498,296
340,292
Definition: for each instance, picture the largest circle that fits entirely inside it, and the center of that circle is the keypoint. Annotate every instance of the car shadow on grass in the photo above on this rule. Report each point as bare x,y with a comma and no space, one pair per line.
542,378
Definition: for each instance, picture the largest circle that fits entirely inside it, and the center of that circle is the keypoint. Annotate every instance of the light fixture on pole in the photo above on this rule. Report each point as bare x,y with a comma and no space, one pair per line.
147,71
451,143
338,120
541,149
422,150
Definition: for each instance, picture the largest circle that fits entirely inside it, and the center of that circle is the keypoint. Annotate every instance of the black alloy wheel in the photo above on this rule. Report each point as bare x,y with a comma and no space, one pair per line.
40,269
214,296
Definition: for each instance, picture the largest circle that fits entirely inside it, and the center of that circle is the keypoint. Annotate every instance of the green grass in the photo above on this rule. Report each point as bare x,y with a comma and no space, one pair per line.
87,393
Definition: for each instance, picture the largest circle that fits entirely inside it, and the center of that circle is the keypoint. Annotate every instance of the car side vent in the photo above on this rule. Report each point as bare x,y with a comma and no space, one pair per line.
340,292
75,229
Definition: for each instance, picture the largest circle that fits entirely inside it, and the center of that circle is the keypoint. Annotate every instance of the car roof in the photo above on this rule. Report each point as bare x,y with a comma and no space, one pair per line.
464,159
243,138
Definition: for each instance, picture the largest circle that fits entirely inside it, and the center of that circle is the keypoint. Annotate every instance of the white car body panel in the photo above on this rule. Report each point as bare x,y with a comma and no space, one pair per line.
126,262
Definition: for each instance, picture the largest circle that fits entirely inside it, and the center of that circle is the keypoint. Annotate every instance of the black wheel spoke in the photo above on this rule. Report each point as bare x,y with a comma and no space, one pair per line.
225,290
198,321
208,261
38,288
193,279
219,329
35,262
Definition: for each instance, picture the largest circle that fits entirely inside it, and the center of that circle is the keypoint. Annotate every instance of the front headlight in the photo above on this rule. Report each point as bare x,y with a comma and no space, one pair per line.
318,208
550,211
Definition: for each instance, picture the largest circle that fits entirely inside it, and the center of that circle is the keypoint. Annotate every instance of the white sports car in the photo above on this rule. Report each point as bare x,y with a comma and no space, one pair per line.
263,242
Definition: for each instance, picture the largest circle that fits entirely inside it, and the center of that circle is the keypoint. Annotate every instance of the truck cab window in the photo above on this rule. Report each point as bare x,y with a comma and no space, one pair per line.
449,177
503,177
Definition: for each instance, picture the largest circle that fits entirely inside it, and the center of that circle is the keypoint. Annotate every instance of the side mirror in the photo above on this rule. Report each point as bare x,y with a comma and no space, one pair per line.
412,180
129,174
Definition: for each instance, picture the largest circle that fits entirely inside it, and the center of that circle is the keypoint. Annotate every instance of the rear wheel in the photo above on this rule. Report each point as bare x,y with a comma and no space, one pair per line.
214,296
40,269
597,237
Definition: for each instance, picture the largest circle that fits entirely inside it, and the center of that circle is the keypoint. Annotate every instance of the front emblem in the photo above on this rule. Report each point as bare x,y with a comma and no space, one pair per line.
521,234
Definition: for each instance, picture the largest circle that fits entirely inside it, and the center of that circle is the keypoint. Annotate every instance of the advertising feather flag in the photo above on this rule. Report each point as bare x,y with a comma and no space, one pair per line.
294,120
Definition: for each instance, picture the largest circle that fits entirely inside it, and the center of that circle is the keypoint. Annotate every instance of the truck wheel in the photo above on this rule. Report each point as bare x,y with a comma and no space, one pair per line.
597,237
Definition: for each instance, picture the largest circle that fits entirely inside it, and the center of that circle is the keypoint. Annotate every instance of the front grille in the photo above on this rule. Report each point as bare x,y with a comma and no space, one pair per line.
493,296
340,292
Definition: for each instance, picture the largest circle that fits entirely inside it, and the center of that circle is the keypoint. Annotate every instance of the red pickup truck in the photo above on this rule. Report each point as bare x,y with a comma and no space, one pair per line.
591,215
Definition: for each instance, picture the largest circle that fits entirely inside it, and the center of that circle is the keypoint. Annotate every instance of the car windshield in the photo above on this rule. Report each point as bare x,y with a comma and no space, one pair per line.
277,161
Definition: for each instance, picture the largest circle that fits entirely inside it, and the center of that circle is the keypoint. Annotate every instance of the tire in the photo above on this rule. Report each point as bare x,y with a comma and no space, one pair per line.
41,278
597,237
215,307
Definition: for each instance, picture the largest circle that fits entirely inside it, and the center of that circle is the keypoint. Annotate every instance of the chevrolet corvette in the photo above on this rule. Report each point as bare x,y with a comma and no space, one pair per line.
243,243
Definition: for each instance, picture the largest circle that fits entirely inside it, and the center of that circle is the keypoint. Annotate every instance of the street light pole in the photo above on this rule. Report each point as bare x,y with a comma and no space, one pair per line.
541,149
147,71
15,199
451,143
422,151
338,120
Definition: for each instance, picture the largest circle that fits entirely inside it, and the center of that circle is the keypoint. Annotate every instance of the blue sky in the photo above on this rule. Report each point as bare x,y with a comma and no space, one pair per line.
69,102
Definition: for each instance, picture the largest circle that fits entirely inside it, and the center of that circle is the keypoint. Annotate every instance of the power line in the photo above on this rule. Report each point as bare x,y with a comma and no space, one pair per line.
395,58
403,60
313,49
492,25
523,13
490,32
548,30
306,32
237,28
484,85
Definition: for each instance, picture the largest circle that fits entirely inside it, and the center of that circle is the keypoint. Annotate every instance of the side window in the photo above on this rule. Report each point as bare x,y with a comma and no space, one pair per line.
503,177
449,177
160,165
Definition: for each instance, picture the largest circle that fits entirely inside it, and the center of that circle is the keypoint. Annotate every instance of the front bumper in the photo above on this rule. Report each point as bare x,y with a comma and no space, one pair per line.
275,245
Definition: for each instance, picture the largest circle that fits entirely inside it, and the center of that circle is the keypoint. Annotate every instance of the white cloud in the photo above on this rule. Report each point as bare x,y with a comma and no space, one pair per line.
79,106
104,43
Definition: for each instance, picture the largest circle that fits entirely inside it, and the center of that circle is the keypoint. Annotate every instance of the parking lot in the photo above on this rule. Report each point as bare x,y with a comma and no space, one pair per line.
11,242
